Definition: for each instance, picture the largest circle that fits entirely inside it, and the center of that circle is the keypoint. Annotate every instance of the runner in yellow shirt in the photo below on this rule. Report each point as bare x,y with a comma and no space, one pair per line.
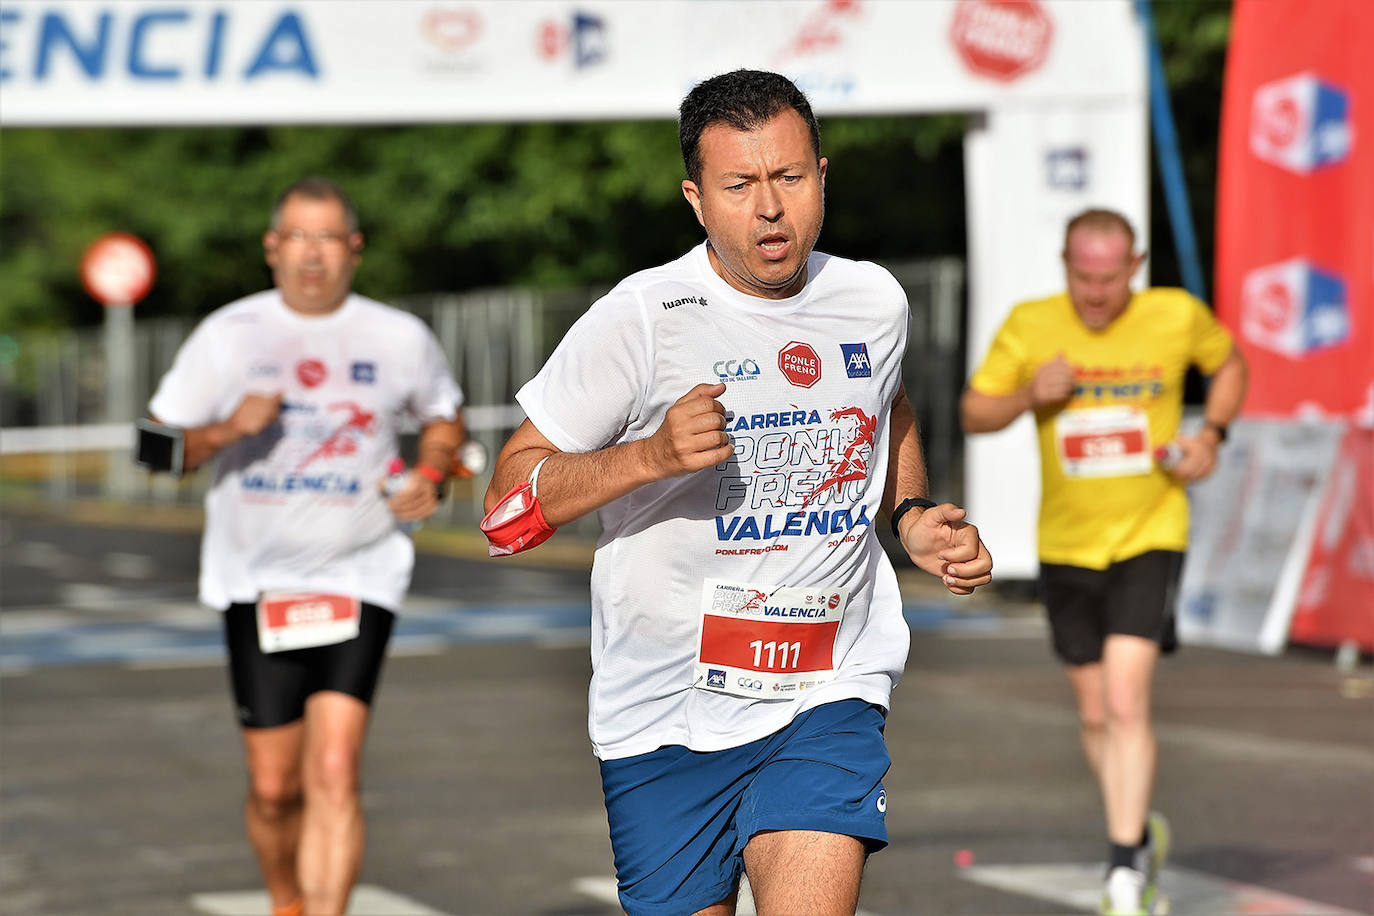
1102,369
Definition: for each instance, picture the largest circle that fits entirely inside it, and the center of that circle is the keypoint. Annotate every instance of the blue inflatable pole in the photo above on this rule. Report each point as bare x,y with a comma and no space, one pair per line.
1170,163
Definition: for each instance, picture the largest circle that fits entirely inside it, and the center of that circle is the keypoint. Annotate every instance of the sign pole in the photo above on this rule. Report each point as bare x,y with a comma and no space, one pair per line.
118,270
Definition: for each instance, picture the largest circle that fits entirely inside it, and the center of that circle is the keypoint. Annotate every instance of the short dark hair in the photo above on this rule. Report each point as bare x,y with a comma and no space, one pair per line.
314,187
743,99
1101,221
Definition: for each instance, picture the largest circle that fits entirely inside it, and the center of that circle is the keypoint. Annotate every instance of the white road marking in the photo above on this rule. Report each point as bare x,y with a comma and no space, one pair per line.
129,565
367,900
1080,886
1000,628
604,891
39,555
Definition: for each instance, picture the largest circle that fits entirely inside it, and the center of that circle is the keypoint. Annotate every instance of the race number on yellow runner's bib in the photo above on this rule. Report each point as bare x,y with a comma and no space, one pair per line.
302,621
1103,442
767,642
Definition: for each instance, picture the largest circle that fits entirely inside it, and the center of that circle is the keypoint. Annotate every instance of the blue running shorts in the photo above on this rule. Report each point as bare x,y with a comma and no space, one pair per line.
680,819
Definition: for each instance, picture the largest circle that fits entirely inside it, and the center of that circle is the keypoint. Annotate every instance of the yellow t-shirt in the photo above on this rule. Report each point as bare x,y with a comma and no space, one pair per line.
1104,499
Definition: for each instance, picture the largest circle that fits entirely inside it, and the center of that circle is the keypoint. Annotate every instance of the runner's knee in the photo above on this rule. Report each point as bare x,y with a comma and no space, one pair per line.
273,795
1127,707
333,773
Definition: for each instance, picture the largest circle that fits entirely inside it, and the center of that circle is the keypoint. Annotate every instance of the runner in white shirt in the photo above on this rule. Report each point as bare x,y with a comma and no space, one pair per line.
732,416
297,393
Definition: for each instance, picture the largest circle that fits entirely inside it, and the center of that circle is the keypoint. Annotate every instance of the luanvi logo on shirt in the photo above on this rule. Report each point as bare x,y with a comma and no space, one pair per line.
685,300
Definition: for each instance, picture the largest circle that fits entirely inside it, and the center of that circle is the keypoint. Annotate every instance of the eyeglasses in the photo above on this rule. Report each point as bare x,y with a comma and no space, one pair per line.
298,236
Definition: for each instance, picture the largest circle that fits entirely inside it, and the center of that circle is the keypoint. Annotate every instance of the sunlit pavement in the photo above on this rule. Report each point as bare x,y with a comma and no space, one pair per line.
122,779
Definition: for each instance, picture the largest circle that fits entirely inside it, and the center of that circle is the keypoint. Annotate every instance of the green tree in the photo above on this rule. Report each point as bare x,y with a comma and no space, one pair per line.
454,207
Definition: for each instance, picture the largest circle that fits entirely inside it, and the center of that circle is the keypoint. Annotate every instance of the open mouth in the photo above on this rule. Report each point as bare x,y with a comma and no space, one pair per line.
774,246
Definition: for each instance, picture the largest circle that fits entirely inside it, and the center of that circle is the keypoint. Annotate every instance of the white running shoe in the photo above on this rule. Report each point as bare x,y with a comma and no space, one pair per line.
1151,860
1123,894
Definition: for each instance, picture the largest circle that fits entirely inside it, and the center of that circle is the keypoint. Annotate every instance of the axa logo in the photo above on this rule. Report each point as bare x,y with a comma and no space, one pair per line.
583,40
1301,123
715,677
856,364
736,370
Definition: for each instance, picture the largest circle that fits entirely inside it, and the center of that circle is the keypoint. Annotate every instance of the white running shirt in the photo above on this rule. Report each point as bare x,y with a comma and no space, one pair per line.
810,384
297,507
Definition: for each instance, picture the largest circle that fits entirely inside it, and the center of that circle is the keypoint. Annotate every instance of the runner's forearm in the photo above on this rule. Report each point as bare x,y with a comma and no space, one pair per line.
906,461
987,413
438,442
1227,390
202,443
572,484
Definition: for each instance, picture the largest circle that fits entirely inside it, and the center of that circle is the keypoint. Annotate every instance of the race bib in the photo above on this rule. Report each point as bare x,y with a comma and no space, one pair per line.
302,621
1103,442
767,642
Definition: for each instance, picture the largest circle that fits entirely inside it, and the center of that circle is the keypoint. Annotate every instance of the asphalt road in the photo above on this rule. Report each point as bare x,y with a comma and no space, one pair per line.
121,775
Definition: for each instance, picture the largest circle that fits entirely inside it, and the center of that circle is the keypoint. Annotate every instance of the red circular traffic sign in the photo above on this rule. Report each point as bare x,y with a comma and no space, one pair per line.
118,269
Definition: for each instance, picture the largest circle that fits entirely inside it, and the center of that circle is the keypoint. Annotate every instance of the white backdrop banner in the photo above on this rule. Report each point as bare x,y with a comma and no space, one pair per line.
1061,86
211,62
1252,526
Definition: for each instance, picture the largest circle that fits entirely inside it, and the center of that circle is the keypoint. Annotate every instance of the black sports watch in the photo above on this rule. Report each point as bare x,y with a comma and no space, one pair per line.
1219,429
905,506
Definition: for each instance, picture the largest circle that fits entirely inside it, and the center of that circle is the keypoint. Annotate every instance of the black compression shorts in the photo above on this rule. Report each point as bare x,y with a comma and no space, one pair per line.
270,689
1134,597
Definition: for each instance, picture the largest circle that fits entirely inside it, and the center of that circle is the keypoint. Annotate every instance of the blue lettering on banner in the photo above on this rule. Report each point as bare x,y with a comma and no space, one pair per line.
140,68
91,43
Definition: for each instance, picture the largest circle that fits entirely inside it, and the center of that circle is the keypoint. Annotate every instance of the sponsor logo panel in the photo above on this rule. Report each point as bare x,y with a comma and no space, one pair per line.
1301,123
800,364
1001,39
1294,308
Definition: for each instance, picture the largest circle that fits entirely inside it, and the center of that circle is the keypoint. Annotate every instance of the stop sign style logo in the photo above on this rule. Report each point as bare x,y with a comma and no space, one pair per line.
1002,39
118,269
800,364
311,372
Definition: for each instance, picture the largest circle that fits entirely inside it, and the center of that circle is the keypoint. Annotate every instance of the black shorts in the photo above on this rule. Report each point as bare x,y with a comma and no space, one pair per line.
270,689
1133,597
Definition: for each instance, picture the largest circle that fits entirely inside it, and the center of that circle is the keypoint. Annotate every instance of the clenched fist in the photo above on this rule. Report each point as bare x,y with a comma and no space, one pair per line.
1052,384
255,413
692,435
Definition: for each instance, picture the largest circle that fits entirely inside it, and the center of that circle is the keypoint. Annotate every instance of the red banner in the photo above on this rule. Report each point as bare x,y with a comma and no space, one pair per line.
1295,205
1336,602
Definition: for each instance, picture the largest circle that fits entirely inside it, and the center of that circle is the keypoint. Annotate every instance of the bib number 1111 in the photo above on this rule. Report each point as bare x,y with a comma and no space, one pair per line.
777,653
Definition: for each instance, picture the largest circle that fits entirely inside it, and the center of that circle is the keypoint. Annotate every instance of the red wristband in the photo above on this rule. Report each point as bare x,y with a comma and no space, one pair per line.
430,474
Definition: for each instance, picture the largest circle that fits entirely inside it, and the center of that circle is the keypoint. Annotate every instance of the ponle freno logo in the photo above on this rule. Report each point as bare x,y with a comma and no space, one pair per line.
451,29
799,364
311,372
1001,39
